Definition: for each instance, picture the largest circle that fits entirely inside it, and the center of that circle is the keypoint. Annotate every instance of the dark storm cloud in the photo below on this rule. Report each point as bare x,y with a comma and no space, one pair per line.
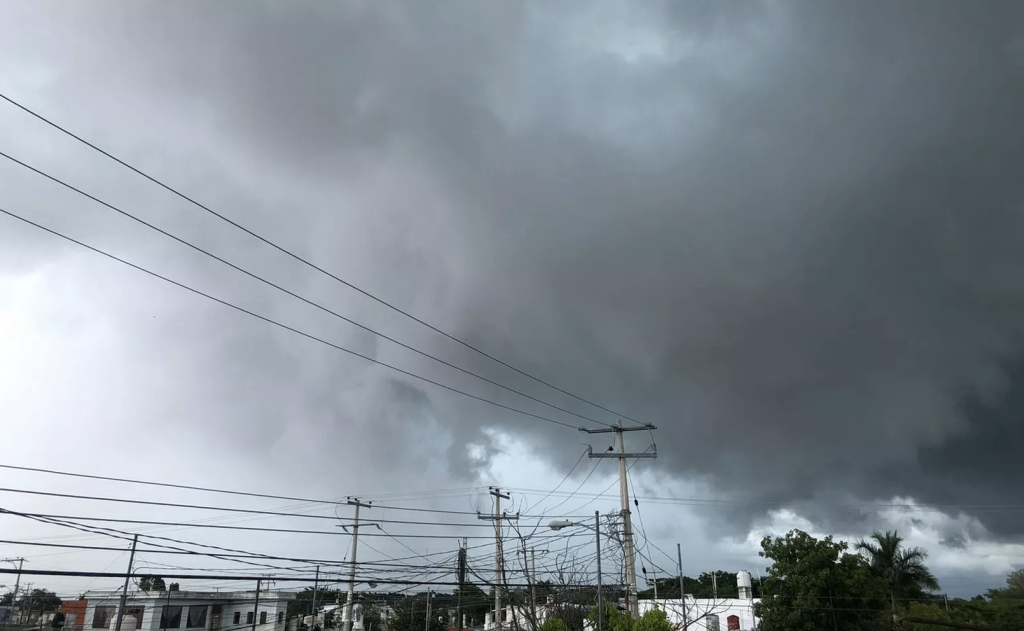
788,234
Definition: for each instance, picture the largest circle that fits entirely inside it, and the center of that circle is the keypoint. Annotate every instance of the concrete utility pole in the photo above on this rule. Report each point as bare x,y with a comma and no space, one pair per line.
28,594
17,583
533,580
426,621
682,592
312,603
354,501
462,584
627,525
124,591
600,599
256,606
499,559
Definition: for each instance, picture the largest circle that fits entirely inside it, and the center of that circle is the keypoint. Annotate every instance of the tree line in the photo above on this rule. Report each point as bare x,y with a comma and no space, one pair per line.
820,584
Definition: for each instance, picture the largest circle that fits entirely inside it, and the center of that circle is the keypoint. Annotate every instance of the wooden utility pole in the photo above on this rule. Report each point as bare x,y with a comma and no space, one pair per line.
628,549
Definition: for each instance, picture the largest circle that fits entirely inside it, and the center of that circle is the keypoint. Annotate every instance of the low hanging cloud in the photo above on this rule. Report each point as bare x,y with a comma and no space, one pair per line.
785,233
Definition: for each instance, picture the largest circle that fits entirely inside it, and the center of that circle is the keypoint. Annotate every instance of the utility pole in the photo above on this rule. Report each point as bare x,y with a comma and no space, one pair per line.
600,600
462,582
28,595
17,583
124,591
682,592
499,560
312,608
256,606
533,581
426,619
627,526
353,501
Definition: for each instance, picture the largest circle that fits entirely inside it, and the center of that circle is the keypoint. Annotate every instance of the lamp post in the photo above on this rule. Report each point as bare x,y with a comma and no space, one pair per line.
559,524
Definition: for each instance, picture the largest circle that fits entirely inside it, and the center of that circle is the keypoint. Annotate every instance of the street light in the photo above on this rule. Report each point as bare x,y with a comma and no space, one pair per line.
559,524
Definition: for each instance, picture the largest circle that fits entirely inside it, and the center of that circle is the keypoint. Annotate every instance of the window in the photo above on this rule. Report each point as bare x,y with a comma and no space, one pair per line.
712,623
170,617
196,616
102,615
280,617
136,612
263,617
248,617
237,618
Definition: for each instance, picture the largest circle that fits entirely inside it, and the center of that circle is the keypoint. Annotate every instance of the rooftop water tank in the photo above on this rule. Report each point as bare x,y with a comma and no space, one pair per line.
744,585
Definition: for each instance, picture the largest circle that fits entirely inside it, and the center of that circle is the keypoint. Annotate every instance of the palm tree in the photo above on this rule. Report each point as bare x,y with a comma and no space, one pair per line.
903,568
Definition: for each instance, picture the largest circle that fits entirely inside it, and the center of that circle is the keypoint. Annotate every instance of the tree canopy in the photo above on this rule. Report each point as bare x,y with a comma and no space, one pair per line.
152,584
409,614
902,568
814,585
653,620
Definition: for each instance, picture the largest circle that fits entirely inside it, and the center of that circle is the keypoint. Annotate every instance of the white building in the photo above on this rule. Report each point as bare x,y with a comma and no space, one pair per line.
692,614
196,611
707,614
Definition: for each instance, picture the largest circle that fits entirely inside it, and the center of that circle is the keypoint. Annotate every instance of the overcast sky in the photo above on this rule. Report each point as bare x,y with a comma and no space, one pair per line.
786,233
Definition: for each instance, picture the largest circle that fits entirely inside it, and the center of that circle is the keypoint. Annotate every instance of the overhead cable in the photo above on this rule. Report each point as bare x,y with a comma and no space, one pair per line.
309,264
285,326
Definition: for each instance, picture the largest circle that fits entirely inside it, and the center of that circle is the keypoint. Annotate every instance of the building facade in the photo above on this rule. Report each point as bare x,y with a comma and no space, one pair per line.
74,614
195,611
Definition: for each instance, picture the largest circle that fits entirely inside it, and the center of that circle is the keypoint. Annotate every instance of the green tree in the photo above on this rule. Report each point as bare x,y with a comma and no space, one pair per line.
152,584
922,611
302,604
1015,584
372,618
614,618
653,620
813,585
409,614
902,568
174,587
554,624
39,600
7,599
475,604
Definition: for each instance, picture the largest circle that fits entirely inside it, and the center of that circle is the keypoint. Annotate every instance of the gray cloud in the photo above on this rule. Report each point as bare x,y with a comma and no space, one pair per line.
785,233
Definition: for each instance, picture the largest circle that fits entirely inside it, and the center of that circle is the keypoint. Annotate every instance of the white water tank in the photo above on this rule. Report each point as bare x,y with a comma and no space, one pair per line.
128,623
744,586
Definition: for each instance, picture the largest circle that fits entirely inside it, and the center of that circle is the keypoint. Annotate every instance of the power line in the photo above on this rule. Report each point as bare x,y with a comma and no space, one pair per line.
412,536
302,500
570,496
285,326
297,531
310,264
304,579
293,294
559,485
